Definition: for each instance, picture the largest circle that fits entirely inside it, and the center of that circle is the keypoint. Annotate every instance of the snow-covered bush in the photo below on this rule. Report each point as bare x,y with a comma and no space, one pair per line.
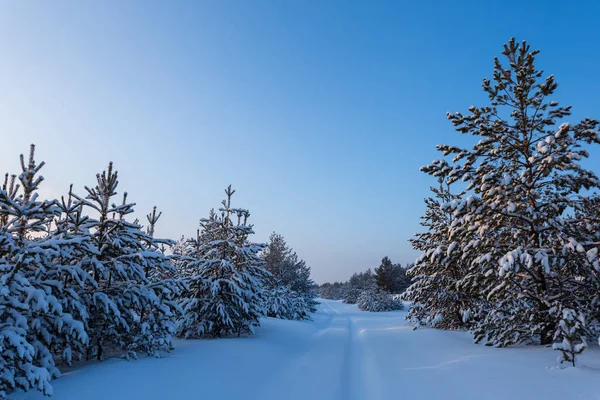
377,301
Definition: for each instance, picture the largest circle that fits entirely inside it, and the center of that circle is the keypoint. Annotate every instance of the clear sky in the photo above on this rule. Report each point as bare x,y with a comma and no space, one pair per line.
319,113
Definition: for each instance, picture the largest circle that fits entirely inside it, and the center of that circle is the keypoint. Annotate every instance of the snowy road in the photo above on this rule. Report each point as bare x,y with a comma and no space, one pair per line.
343,354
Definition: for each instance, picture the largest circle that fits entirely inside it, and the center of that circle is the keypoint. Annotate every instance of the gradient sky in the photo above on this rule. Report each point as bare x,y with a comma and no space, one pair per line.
319,113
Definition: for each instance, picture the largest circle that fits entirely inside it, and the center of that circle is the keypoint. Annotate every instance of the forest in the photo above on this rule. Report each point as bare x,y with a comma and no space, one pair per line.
80,280
509,251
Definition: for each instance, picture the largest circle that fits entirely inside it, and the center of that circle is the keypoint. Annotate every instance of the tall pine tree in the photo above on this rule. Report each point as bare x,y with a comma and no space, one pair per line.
520,228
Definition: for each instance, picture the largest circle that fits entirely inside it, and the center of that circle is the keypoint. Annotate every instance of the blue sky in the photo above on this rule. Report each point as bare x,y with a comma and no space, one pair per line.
319,113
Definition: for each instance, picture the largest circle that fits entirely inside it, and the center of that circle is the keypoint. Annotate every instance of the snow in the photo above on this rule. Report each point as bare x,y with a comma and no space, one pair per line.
343,354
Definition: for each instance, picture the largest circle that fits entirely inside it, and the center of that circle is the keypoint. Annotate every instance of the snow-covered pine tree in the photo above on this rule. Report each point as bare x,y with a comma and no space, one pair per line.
126,311
282,302
278,302
189,255
519,230
275,254
178,251
226,294
72,242
153,218
436,299
39,315
159,317
358,283
377,300
333,290
569,338
190,261
299,281
588,232
289,271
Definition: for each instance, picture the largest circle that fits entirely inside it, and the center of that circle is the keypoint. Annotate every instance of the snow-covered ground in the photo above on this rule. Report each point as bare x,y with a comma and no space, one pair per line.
343,354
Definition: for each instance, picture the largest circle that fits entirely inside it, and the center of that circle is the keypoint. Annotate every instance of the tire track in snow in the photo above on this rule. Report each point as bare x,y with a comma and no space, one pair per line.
321,356
351,377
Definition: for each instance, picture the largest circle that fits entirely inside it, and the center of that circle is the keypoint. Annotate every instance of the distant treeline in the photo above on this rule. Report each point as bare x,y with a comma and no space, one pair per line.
388,277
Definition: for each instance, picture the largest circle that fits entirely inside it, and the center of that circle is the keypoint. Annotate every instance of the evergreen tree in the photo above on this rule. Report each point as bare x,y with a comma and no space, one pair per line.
335,291
39,314
570,336
275,254
288,270
126,310
160,313
358,283
434,294
385,275
376,300
401,280
226,293
282,302
519,231
299,282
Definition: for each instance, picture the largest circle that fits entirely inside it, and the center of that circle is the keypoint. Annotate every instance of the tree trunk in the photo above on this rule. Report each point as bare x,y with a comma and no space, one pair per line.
546,335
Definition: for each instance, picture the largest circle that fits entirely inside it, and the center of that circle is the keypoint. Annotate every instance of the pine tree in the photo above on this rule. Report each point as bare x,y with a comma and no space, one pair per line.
39,315
335,290
288,270
72,242
376,300
226,279
517,229
126,310
178,252
435,296
570,336
275,254
358,283
282,302
161,311
299,281
401,280
384,275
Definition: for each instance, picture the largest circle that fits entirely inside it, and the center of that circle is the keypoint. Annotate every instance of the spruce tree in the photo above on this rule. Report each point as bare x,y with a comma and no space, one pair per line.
519,230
